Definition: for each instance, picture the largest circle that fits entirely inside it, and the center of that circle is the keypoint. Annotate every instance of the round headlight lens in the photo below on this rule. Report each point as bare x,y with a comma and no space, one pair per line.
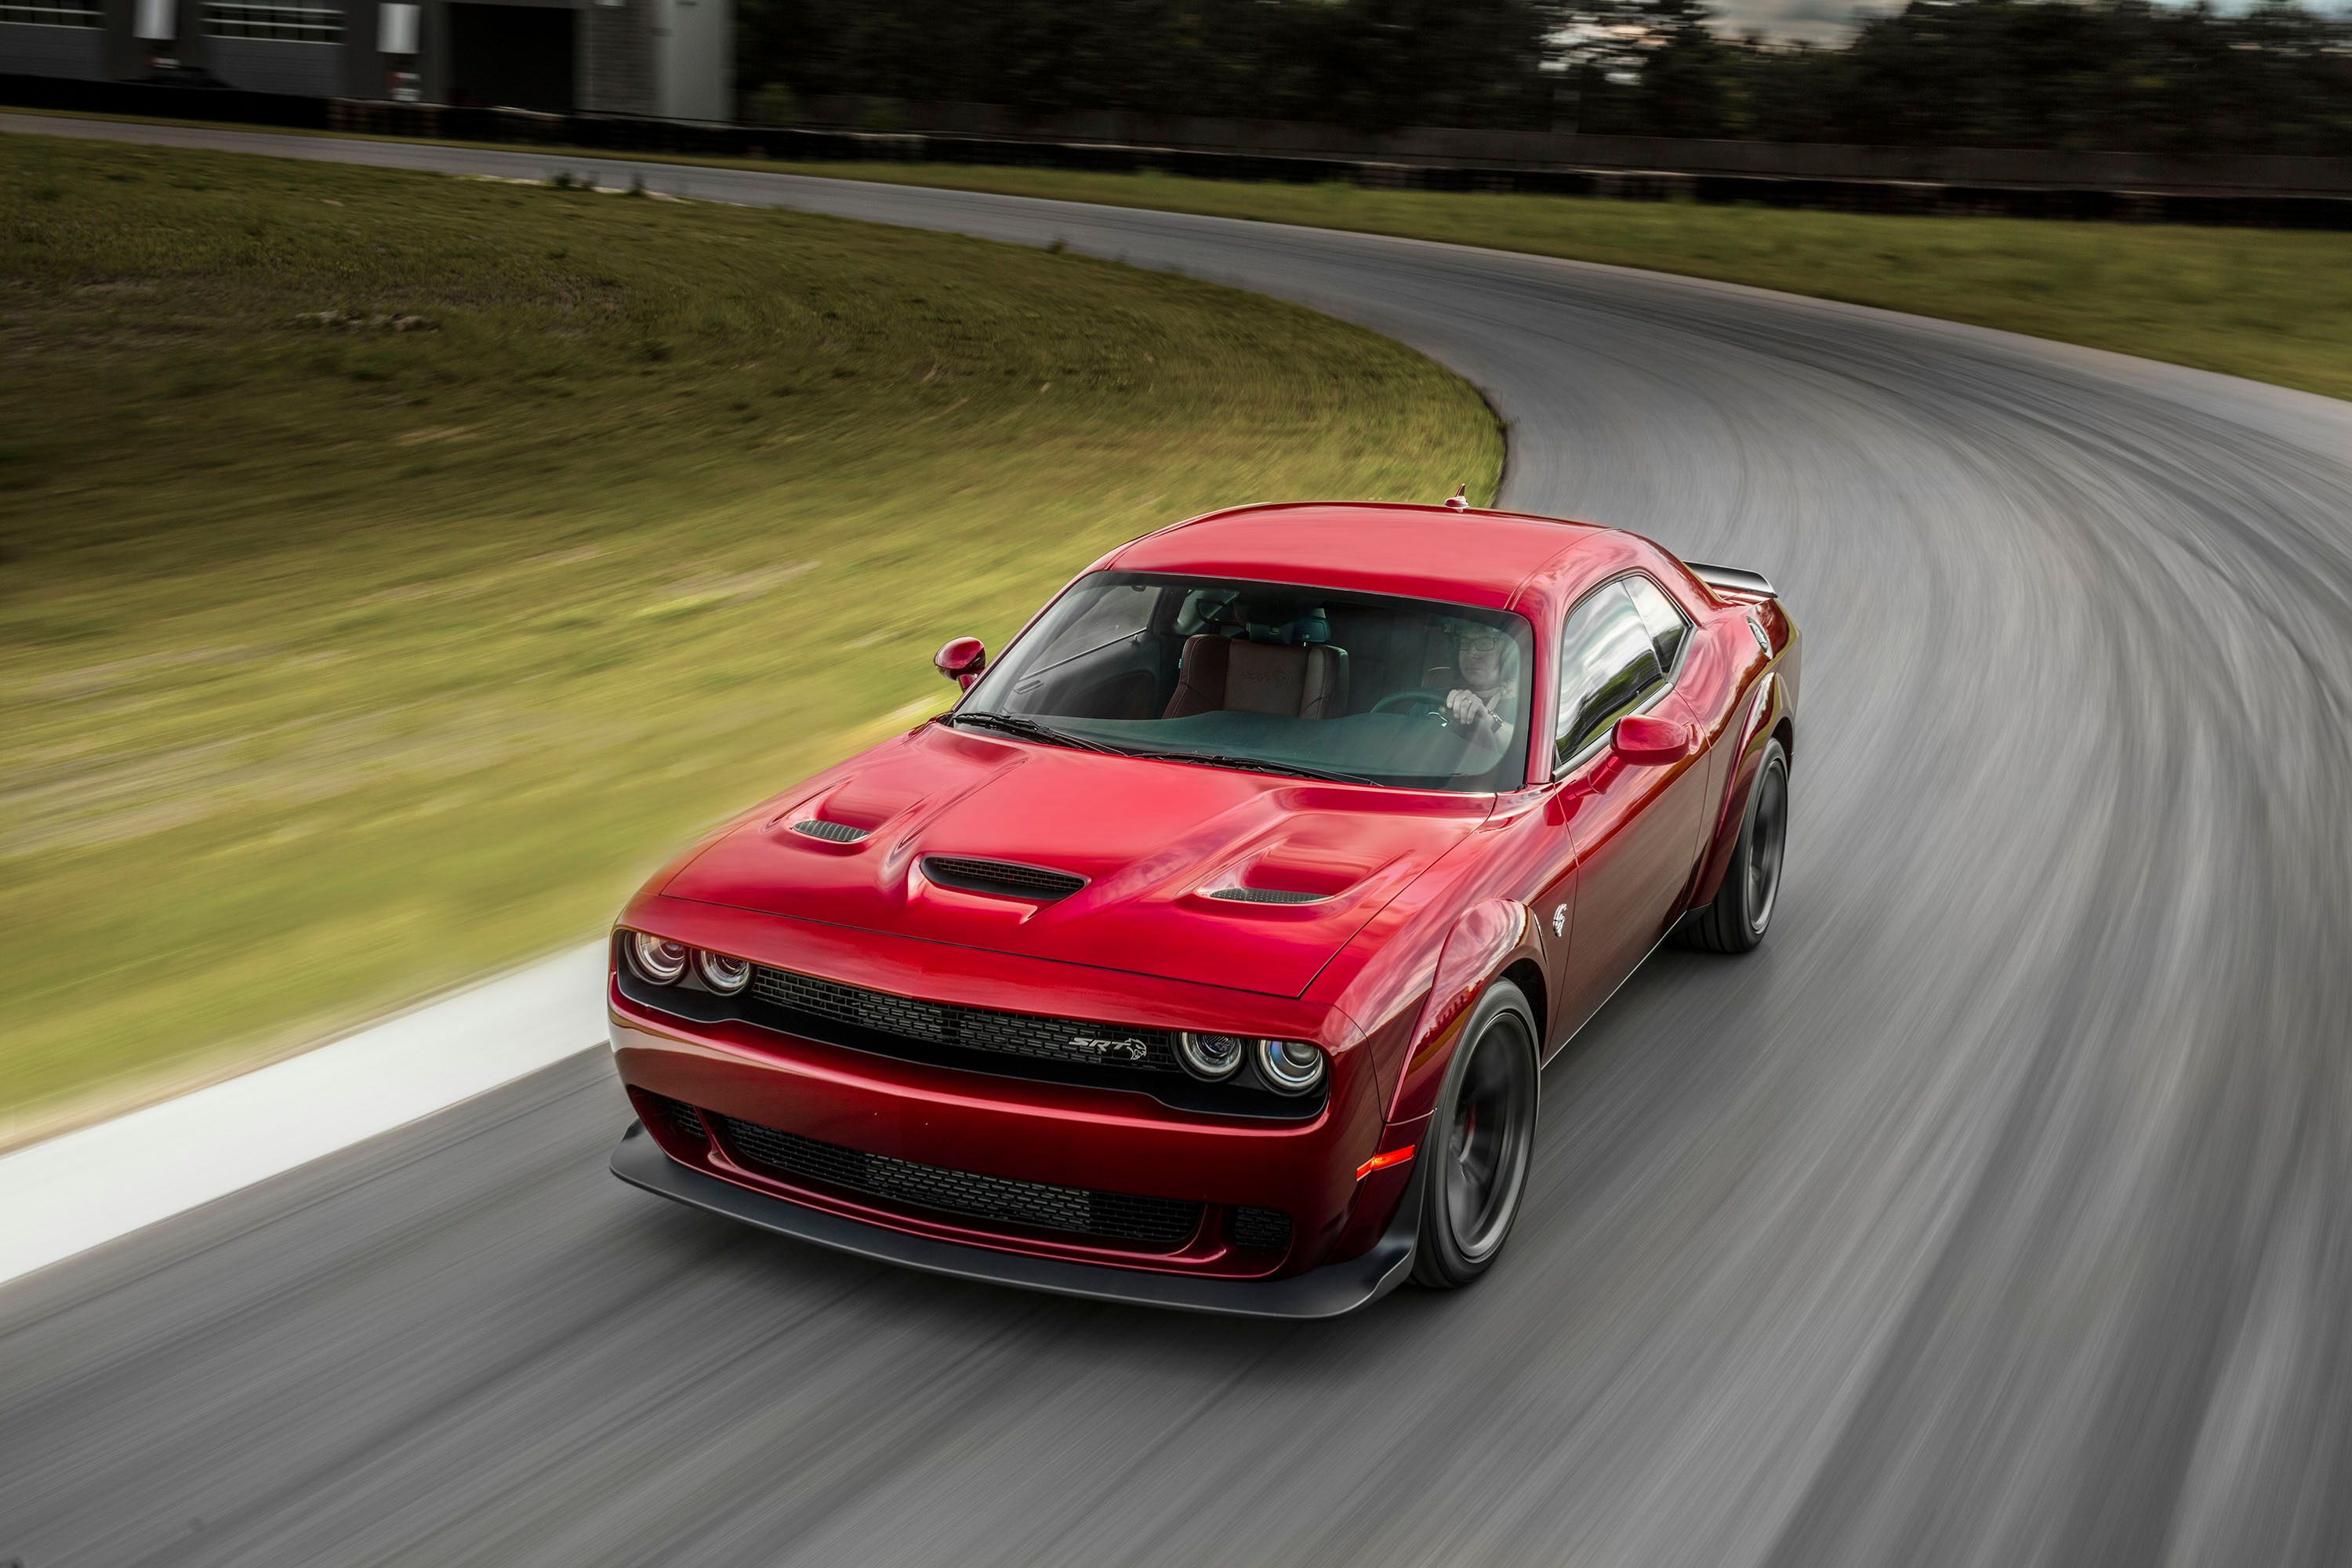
1289,1066
723,975
657,958
1212,1056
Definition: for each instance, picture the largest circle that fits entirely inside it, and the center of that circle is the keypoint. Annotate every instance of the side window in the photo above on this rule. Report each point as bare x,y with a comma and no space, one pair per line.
1666,623
1608,666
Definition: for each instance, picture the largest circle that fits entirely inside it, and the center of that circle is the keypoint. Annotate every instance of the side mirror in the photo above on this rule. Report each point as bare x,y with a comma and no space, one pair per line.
1652,743
961,660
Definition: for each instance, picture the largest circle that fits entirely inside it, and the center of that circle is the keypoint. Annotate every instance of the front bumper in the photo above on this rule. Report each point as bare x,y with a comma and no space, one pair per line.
1089,1176
1325,1292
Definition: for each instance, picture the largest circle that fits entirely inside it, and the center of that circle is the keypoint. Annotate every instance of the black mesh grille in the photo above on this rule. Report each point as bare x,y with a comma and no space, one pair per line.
1005,878
1266,896
683,1119
935,1023
833,832
1263,1229
1126,1057
1154,1222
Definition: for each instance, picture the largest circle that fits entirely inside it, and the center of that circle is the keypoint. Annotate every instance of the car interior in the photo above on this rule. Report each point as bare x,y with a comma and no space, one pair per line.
1350,683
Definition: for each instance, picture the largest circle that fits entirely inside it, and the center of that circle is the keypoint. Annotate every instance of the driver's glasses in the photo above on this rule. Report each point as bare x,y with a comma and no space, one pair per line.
1480,642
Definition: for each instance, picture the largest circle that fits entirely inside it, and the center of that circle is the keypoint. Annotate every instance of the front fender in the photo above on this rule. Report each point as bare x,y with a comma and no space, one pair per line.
1485,939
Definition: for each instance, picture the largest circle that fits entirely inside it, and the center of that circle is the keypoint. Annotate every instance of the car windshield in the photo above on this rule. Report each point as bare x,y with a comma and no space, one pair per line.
1277,677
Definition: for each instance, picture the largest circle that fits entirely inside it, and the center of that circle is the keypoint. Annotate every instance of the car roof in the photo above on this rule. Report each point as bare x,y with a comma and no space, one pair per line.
1473,557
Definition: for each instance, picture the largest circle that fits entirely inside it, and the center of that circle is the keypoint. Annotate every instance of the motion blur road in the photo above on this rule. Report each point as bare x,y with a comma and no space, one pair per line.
1994,1213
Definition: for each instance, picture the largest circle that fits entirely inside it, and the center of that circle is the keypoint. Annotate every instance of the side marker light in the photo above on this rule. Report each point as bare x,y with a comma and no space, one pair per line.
1383,1160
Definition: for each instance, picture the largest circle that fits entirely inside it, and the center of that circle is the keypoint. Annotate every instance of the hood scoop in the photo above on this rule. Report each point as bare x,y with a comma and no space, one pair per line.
1001,879
831,832
1212,877
1265,896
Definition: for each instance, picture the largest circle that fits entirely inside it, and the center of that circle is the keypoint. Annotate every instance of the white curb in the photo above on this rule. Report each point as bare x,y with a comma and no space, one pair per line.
84,1188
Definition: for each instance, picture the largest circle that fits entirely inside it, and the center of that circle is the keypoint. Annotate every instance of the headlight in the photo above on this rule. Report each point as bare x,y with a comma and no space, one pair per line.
1288,1067
657,958
1212,1056
723,975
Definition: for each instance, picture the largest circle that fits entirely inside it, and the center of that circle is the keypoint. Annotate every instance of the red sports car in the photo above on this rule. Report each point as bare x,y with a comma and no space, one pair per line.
1205,953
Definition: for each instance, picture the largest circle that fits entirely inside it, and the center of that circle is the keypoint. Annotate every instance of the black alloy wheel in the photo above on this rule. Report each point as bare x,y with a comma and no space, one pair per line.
1480,1142
1768,837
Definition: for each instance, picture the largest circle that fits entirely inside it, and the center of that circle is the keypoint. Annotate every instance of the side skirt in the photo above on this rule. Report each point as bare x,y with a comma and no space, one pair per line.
1604,1008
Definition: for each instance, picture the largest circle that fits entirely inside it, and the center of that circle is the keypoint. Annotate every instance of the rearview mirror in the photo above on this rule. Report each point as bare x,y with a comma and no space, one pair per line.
1651,743
961,660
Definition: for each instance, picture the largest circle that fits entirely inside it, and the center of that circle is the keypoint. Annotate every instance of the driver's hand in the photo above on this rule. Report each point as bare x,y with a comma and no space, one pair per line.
1462,708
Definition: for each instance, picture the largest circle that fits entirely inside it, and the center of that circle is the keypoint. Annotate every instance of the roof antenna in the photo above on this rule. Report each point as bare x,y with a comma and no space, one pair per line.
1460,500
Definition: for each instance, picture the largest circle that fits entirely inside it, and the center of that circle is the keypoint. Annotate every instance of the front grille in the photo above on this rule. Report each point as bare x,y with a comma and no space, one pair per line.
1005,878
1266,896
1162,1223
831,832
1263,1229
938,1024
1127,1058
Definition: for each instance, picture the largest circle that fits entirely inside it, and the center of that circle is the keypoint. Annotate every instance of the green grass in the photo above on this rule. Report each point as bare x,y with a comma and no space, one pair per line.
394,568
2269,304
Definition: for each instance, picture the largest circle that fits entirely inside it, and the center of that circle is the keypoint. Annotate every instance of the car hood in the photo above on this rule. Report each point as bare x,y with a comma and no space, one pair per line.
1153,839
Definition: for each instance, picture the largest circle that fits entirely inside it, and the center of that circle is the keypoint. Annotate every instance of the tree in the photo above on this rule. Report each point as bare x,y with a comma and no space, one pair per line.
2092,74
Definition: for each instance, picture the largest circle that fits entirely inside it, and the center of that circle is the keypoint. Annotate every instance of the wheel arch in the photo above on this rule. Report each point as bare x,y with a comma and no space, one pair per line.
1770,719
1491,940
1527,975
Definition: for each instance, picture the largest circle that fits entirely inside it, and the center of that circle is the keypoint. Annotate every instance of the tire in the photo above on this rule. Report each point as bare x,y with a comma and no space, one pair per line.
1480,1142
1742,911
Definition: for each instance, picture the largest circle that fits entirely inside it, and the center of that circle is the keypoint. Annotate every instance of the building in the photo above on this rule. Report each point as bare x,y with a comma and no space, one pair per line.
664,60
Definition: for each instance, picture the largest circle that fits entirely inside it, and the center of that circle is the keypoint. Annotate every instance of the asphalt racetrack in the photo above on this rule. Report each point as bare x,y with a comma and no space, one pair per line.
1995,1213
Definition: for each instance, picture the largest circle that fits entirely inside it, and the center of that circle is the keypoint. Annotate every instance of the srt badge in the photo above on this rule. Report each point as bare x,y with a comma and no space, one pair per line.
1128,1050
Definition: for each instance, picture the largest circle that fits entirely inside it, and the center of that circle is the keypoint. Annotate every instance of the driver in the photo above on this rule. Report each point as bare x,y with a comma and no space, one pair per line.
1484,695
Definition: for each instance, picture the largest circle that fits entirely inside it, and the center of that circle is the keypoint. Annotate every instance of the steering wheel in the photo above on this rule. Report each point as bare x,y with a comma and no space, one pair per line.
1415,699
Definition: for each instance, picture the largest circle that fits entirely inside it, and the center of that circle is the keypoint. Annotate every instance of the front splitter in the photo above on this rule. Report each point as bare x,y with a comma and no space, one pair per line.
1325,1292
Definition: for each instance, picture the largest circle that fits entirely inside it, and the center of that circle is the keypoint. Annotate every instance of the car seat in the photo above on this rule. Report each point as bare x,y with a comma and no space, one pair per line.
1287,667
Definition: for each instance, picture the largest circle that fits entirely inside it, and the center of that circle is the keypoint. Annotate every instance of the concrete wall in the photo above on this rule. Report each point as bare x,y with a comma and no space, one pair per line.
274,65
75,52
364,72
697,59
654,59
620,71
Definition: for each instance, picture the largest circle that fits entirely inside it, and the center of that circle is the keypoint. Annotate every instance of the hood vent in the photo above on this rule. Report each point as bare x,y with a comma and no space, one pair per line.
1003,879
831,832
1265,896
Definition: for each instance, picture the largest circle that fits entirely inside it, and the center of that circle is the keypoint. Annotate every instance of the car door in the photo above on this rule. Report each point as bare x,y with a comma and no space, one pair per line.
1637,829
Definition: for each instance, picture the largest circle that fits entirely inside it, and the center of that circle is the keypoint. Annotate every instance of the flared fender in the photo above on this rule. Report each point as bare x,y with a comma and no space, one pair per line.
1486,939
1769,706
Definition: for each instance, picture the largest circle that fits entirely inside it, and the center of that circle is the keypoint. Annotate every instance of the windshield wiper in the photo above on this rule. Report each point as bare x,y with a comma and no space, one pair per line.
1029,728
1256,764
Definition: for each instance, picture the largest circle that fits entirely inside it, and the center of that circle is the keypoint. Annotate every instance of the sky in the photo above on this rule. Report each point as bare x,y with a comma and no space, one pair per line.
1831,21
1814,21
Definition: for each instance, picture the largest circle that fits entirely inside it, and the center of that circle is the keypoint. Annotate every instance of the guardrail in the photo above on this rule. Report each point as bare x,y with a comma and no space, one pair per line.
2268,193
2006,168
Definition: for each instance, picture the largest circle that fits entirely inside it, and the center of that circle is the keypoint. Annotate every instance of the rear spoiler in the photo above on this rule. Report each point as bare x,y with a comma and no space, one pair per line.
1736,581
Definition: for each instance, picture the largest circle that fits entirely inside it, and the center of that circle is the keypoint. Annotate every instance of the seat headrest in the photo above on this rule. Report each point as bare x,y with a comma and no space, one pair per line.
1299,631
